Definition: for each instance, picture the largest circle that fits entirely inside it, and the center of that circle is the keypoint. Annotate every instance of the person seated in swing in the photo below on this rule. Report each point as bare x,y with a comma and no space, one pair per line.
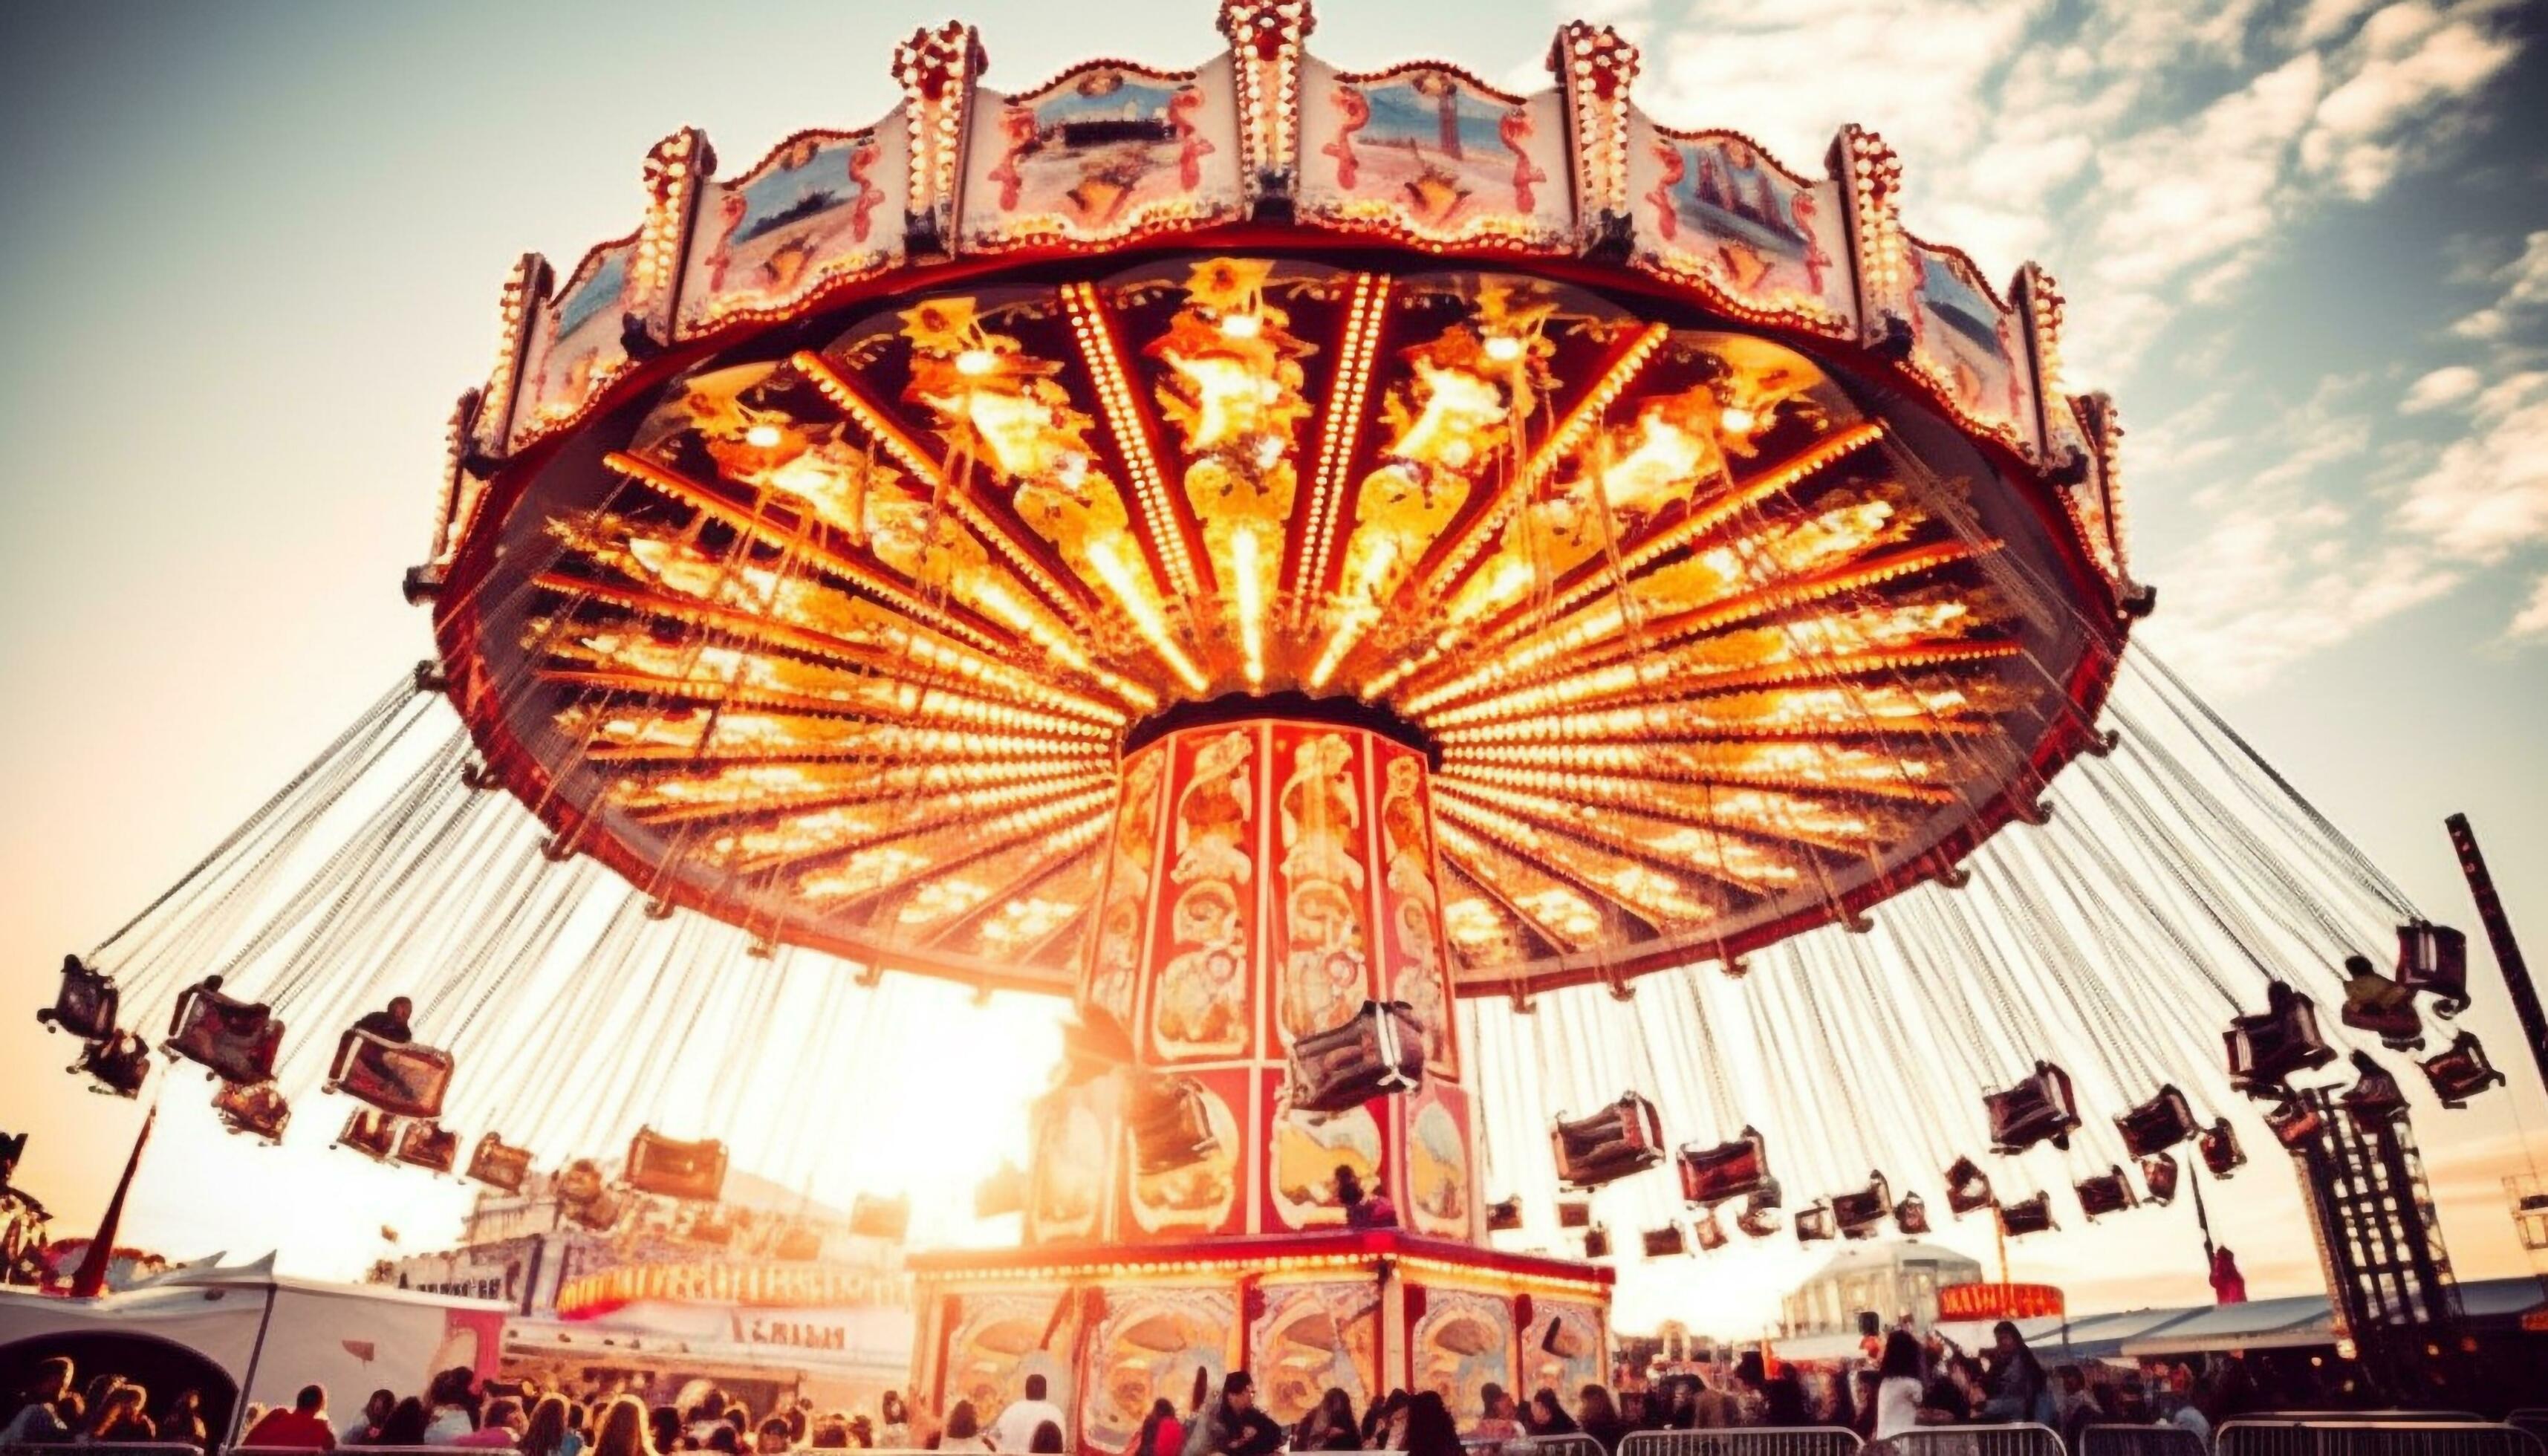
389,1024
1363,1210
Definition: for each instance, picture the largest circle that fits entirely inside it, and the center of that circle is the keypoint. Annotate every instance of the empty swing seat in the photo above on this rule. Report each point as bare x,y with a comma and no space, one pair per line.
85,1003
1814,1223
1664,1242
2027,1215
1574,1213
256,1109
1911,1215
1729,1170
429,1145
402,1078
235,1040
1967,1187
2037,1110
371,1133
2268,1046
2157,1125
1860,1211
1620,1140
671,1168
498,1164
2376,1004
2375,1099
2108,1192
1378,1052
119,1061
1596,1243
873,1215
2461,1071
2159,1174
2433,959
1503,1216
1710,1233
2219,1143
1171,1127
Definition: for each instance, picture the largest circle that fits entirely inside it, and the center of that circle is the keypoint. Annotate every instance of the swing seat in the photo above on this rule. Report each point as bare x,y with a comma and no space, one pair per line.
1666,1242
2294,1122
1760,1216
873,1215
1002,1192
2267,1046
371,1133
1573,1213
2433,959
2461,1071
2375,1100
580,1182
1729,1170
800,1245
1967,1187
1814,1223
498,1164
400,1078
1620,1140
120,1061
671,1168
2027,1215
2157,1125
1596,1243
2037,1110
256,1109
2159,1173
428,1145
2219,1143
1378,1052
236,1039
85,1003
2108,1192
1503,1216
2376,1004
1171,1127
713,1227
1911,1215
1860,1211
1710,1233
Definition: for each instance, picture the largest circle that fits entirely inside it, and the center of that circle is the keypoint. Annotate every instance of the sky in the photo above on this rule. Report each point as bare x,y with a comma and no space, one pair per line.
251,251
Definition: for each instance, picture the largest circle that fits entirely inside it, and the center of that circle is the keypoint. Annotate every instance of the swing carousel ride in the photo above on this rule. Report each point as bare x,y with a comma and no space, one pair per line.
1469,637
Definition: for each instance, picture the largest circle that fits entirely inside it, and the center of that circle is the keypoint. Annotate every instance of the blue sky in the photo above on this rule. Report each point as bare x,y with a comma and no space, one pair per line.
252,251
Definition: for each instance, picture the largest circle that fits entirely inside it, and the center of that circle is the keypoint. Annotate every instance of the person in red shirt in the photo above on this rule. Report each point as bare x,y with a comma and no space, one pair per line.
303,1427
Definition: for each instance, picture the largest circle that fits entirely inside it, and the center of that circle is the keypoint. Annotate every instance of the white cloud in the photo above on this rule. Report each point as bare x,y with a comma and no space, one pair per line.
2411,66
2440,389
2524,282
2487,494
2531,622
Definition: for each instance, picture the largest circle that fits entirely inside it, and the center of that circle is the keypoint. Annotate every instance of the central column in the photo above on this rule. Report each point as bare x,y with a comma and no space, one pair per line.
1264,879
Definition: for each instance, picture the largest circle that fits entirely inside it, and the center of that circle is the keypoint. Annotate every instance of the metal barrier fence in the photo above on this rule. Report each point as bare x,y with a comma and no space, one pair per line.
1806,1441
2532,1418
2139,1440
2356,1437
2016,1439
1574,1443
110,1449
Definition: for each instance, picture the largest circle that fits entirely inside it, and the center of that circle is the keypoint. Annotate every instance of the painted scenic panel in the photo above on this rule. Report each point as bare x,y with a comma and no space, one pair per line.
1146,1346
824,206
1101,154
1304,1150
1314,1338
1462,1343
1713,209
576,343
1967,343
1430,152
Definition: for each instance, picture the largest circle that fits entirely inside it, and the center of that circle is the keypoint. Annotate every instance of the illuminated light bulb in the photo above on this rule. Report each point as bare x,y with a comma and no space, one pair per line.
975,363
1268,451
1107,557
1504,348
1736,419
762,437
1242,325
1244,559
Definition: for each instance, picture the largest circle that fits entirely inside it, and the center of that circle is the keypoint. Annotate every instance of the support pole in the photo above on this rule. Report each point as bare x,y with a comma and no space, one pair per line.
2499,934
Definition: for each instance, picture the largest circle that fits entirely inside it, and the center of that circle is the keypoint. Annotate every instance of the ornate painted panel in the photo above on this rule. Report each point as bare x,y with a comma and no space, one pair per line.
577,346
1303,1152
1462,1342
1416,962
1430,152
1104,152
822,207
1969,345
997,1338
1146,1345
1715,210
1206,1194
1309,1337
1112,983
1440,1184
1563,1348
1201,1006
1321,909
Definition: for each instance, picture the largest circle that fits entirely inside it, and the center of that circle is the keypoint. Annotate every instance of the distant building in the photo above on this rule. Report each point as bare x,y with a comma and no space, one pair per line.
1897,1277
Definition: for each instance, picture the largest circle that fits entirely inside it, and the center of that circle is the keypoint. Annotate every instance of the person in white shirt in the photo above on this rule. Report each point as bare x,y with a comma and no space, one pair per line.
1014,1429
1897,1387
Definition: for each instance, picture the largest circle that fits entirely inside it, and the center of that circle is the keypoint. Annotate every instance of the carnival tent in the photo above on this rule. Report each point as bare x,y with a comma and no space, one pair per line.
269,1335
2259,1324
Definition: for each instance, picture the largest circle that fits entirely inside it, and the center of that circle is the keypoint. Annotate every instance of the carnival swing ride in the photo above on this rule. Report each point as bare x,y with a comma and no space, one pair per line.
1469,637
